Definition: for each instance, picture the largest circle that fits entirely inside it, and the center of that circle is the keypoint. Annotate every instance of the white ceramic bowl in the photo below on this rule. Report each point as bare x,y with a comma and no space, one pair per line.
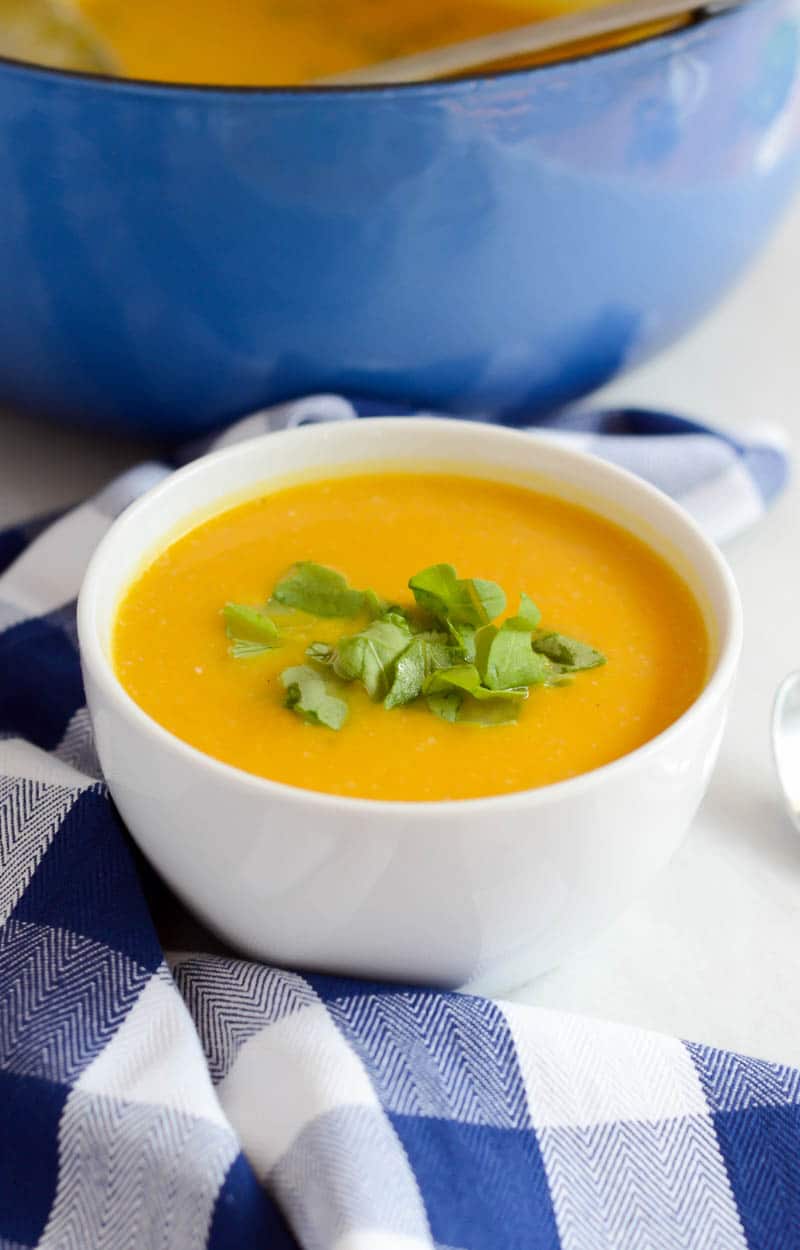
478,892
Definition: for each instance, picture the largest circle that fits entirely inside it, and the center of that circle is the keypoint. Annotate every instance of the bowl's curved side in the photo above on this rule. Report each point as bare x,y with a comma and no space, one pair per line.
172,258
485,897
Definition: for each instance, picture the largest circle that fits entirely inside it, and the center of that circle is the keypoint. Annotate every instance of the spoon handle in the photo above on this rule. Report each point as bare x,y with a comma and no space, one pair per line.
537,37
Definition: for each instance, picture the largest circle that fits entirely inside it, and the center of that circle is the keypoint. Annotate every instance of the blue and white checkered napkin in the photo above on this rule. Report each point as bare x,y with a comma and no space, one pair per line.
194,1100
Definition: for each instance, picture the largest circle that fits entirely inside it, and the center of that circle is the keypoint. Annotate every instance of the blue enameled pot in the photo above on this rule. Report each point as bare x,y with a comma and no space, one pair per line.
173,256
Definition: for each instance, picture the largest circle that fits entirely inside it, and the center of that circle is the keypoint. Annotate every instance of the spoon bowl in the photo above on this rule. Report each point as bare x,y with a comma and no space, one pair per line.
786,743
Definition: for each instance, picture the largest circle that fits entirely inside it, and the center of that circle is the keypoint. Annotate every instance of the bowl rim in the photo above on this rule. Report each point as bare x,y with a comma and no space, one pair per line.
98,664
698,20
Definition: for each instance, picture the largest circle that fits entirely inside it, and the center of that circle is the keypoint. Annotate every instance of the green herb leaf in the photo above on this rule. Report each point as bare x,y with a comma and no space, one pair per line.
466,678
527,618
423,656
321,652
374,604
559,676
317,589
240,650
396,616
308,695
464,638
488,712
370,655
462,601
468,669
567,652
456,694
250,629
446,705
382,610
504,658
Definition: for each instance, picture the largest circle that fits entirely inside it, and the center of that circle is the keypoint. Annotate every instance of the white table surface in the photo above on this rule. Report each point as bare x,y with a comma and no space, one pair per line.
712,952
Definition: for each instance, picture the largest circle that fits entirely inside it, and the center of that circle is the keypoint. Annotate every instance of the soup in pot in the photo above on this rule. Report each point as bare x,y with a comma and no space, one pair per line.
253,42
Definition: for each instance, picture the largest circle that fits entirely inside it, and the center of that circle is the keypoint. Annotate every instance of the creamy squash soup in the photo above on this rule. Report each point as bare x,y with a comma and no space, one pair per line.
254,42
417,636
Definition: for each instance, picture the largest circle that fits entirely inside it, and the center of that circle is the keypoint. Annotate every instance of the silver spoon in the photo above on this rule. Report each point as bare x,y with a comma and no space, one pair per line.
523,41
786,743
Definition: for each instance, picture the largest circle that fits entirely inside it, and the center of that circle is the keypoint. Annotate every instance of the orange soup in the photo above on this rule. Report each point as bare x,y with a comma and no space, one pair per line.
588,578
257,42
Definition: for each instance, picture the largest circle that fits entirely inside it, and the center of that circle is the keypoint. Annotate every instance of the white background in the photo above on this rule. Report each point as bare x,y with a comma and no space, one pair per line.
712,953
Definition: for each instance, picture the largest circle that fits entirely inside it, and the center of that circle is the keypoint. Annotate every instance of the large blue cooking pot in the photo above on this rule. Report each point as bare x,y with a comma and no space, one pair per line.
171,256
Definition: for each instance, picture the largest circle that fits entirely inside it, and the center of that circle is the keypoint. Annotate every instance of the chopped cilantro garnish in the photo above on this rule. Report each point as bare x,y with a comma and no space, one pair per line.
467,679
316,589
308,695
461,601
570,654
445,649
322,652
463,637
457,694
250,630
423,656
369,656
504,657
528,617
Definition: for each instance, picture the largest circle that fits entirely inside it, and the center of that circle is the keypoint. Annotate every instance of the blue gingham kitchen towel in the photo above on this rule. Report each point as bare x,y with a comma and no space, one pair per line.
196,1100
